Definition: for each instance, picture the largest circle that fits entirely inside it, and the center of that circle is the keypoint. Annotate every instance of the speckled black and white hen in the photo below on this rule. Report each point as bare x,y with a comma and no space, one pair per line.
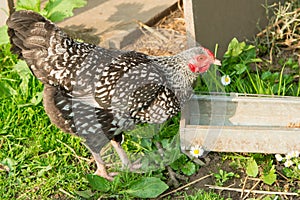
98,93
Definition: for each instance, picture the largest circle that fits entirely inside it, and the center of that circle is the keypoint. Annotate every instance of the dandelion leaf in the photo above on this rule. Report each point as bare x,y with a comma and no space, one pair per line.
98,183
147,187
4,39
252,168
34,5
57,10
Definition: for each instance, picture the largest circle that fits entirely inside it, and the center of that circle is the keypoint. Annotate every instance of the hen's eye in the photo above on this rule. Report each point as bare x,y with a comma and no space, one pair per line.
199,58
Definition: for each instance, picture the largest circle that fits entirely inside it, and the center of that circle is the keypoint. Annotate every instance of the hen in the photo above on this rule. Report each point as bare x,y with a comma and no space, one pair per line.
97,93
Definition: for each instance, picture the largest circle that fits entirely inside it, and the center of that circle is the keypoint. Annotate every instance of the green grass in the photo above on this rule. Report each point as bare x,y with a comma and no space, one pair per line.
41,162
37,160
202,195
43,157
196,194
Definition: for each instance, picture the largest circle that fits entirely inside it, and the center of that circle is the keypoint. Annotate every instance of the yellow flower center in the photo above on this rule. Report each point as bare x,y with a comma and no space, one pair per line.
227,79
196,151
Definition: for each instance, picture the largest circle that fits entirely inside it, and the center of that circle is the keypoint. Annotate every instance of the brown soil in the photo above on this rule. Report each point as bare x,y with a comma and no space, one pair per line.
215,162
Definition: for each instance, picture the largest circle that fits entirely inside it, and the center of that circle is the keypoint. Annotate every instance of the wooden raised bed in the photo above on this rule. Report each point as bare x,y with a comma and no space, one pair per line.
239,123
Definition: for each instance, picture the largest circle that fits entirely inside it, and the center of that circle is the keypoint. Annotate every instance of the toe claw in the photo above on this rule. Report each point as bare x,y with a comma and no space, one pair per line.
112,174
104,175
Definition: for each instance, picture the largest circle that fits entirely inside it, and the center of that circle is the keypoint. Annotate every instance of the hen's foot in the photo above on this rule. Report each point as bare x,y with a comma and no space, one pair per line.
126,164
133,167
173,181
104,174
101,168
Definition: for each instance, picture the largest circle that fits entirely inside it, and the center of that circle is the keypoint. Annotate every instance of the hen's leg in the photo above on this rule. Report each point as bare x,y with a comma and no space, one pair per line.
101,169
120,151
124,158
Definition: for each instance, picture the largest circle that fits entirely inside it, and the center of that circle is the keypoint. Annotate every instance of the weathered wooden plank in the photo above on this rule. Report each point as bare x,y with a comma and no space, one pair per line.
241,139
243,110
211,22
238,123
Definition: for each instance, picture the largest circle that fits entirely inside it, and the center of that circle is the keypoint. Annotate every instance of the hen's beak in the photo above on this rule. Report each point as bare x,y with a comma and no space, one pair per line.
217,62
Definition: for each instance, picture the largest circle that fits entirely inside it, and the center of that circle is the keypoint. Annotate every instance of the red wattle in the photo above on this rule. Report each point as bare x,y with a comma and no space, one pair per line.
192,67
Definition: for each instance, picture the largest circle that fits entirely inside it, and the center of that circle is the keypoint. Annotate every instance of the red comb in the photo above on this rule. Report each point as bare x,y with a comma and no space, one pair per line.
209,52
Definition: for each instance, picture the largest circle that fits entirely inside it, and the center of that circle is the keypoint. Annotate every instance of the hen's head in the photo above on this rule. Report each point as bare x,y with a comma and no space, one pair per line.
200,59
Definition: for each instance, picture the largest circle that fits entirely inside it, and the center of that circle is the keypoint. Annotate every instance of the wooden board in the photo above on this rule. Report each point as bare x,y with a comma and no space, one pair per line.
241,139
211,22
238,123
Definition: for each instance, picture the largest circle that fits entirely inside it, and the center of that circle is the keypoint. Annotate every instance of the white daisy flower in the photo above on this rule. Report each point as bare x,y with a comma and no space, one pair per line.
294,154
288,156
278,157
196,151
288,163
225,80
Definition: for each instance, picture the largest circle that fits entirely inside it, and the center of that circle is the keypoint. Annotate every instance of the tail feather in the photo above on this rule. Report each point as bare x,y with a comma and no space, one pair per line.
52,56
20,25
